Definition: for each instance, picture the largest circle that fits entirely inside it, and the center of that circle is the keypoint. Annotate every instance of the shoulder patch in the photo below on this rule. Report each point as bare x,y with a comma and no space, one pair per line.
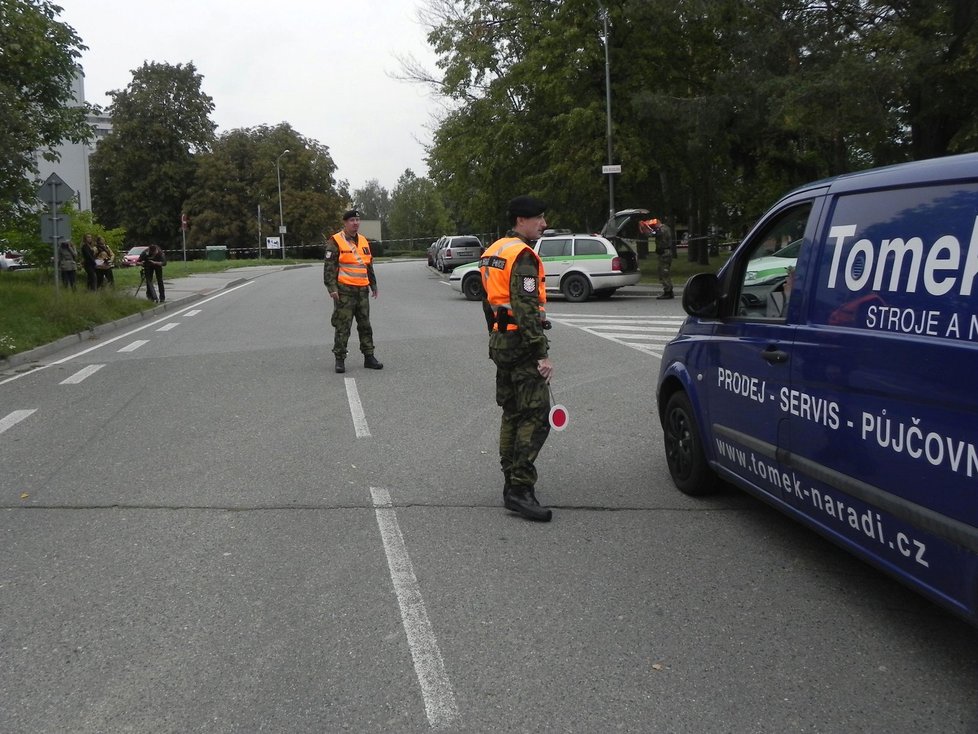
329,254
529,285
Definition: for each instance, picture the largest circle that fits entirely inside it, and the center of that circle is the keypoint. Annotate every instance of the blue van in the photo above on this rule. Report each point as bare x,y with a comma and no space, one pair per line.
843,388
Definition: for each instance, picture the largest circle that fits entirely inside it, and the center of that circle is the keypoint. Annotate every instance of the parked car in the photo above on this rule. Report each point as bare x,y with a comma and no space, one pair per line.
12,260
576,265
458,250
131,257
433,250
772,267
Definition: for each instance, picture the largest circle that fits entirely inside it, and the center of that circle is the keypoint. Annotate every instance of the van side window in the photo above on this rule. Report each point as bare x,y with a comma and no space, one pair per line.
763,286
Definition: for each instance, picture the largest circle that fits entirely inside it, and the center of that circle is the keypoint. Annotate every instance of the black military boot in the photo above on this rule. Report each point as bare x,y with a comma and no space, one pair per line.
340,365
371,363
665,296
522,501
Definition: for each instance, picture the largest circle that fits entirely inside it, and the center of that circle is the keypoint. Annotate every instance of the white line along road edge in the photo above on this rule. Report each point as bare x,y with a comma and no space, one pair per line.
436,689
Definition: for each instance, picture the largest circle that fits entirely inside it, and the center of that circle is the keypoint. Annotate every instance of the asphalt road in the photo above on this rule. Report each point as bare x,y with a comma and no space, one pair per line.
204,529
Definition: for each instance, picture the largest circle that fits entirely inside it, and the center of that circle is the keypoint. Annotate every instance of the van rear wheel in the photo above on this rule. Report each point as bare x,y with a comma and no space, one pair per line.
684,448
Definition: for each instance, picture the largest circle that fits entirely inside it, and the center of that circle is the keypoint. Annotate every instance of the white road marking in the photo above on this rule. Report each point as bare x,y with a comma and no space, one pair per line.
134,345
647,334
436,688
12,419
82,374
356,408
171,325
192,313
114,339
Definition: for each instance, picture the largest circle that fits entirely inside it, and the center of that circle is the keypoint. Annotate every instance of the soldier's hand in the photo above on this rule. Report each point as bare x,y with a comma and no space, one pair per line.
374,292
546,368
335,295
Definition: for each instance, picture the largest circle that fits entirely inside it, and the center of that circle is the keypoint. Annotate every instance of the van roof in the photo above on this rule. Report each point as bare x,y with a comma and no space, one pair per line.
931,170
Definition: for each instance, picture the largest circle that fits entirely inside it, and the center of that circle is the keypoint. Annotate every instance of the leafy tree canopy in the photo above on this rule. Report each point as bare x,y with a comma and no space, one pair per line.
38,64
417,211
143,170
241,173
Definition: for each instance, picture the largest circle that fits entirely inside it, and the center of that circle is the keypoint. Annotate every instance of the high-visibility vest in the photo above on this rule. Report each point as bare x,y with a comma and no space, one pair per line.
496,265
353,261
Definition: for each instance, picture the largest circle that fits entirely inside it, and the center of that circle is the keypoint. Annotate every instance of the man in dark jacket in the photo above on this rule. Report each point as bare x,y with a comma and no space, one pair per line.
152,260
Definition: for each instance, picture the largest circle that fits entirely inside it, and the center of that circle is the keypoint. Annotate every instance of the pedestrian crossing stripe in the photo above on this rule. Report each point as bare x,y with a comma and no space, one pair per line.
647,334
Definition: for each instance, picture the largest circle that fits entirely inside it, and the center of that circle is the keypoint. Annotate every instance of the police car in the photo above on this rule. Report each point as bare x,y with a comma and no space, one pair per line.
578,266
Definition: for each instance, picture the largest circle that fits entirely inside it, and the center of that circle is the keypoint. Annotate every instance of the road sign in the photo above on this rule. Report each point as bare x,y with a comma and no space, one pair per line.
281,229
55,226
54,191
611,169
272,243
184,222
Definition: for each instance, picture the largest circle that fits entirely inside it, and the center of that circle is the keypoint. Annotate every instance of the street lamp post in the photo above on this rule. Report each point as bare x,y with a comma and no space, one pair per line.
281,219
607,87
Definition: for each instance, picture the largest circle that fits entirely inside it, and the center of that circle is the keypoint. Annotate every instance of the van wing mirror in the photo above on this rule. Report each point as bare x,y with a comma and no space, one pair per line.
701,295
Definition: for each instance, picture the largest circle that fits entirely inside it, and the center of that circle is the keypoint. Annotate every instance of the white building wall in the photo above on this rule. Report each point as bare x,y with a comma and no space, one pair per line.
72,166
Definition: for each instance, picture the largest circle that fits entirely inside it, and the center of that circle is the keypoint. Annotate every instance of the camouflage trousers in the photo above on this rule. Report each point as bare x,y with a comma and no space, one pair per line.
354,303
523,395
665,270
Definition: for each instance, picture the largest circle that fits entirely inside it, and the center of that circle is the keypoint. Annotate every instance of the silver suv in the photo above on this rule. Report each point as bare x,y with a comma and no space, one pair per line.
458,250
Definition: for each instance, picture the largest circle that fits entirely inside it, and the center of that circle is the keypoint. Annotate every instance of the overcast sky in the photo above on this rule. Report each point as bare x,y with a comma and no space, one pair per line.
323,66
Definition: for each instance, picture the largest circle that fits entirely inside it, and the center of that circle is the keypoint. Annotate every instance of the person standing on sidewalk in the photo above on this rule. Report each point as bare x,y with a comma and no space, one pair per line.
88,261
348,274
104,262
67,263
663,248
514,305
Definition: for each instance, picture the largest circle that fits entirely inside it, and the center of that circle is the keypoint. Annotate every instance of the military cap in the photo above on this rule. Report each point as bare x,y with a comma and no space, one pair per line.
526,206
350,213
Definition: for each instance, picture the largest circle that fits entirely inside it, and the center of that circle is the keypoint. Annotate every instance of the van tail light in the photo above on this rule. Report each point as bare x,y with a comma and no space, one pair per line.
616,263
448,253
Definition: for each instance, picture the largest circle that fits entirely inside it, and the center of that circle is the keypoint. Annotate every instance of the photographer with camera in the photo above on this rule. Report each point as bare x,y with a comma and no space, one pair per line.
152,260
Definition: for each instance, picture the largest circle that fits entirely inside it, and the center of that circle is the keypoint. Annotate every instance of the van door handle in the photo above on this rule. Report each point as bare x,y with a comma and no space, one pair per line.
774,356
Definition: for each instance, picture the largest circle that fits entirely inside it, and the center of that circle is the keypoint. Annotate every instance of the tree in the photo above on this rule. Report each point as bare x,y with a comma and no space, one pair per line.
718,106
417,212
142,171
374,202
38,65
238,175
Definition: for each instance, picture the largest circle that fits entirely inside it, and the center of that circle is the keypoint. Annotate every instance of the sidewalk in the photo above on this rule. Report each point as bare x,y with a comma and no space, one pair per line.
180,292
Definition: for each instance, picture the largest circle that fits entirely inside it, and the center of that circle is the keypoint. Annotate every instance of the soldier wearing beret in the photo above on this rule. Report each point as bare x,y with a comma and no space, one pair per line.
513,278
348,274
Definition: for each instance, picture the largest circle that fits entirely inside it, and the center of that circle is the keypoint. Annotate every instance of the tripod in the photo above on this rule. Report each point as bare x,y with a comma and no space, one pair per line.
150,287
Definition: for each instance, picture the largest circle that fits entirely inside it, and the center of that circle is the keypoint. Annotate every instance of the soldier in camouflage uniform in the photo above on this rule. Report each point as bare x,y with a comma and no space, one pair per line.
348,274
663,248
512,275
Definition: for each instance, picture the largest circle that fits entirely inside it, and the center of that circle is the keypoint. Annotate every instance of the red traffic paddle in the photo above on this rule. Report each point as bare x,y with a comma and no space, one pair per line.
558,414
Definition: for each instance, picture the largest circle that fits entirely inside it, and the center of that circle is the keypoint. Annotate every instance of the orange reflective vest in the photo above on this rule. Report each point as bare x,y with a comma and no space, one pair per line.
496,265
353,261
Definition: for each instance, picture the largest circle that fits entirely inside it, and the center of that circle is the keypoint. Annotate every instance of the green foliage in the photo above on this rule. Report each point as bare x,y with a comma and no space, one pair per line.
374,201
417,210
239,174
143,170
38,64
718,106
32,314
